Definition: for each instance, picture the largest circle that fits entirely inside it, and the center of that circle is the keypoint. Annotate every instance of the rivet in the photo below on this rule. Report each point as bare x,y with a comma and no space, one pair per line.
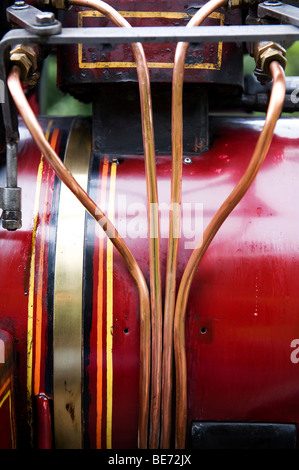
19,4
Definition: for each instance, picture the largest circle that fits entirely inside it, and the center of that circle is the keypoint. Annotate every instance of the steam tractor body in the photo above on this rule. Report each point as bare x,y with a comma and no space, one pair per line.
71,319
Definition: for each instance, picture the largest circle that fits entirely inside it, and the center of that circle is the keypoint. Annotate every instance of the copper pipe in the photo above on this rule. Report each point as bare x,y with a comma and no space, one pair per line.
154,230
175,219
260,152
15,87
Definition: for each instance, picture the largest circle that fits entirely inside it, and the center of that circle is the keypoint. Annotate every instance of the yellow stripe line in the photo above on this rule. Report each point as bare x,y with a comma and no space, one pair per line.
5,386
109,332
4,398
8,395
39,288
152,65
141,14
31,286
100,314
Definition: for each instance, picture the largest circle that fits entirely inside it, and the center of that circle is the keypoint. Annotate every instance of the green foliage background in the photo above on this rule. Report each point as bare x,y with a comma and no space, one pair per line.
53,102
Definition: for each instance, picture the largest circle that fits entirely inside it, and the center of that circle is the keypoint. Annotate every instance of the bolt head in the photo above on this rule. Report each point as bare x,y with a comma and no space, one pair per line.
11,220
45,18
19,5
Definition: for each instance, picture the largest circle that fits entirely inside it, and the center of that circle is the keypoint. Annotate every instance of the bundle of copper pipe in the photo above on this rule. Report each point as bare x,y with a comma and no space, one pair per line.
153,215
174,310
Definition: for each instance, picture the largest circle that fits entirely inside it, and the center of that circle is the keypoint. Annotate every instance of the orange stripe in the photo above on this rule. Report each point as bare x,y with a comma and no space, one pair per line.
11,416
39,290
5,386
100,314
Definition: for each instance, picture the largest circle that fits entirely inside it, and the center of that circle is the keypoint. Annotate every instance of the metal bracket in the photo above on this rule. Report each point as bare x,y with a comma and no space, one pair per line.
284,13
32,19
42,25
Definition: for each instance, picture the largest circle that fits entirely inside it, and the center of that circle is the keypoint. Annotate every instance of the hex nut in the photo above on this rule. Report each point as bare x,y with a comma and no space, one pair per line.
25,58
272,53
23,62
45,18
11,220
266,52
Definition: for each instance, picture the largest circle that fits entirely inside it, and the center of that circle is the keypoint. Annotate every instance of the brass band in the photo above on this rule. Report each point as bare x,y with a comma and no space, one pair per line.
67,333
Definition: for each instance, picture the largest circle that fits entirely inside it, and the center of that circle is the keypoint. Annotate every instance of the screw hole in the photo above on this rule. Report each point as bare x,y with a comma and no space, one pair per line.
203,331
126,331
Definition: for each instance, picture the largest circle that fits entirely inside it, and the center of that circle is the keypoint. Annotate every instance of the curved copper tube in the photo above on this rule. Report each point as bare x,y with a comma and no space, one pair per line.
260,152
154,230
15,87
174,220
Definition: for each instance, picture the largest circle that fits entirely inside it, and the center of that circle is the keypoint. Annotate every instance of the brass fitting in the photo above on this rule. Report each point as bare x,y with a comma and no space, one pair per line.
264,53
231,4
59,4
25,57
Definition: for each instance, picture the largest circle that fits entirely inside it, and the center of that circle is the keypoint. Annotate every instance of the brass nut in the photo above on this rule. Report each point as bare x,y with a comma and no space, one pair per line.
259,48
272,54
240,3
25,58
233,3
60,4
265,53
23,62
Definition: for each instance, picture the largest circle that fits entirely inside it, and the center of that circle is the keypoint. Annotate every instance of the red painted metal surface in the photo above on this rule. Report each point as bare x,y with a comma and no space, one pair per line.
243,311
243,308
44,422
8,437
246,296
17,249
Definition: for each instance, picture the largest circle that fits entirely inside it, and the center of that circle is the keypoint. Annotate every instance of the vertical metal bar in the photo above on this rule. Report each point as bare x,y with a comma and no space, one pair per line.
11,164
